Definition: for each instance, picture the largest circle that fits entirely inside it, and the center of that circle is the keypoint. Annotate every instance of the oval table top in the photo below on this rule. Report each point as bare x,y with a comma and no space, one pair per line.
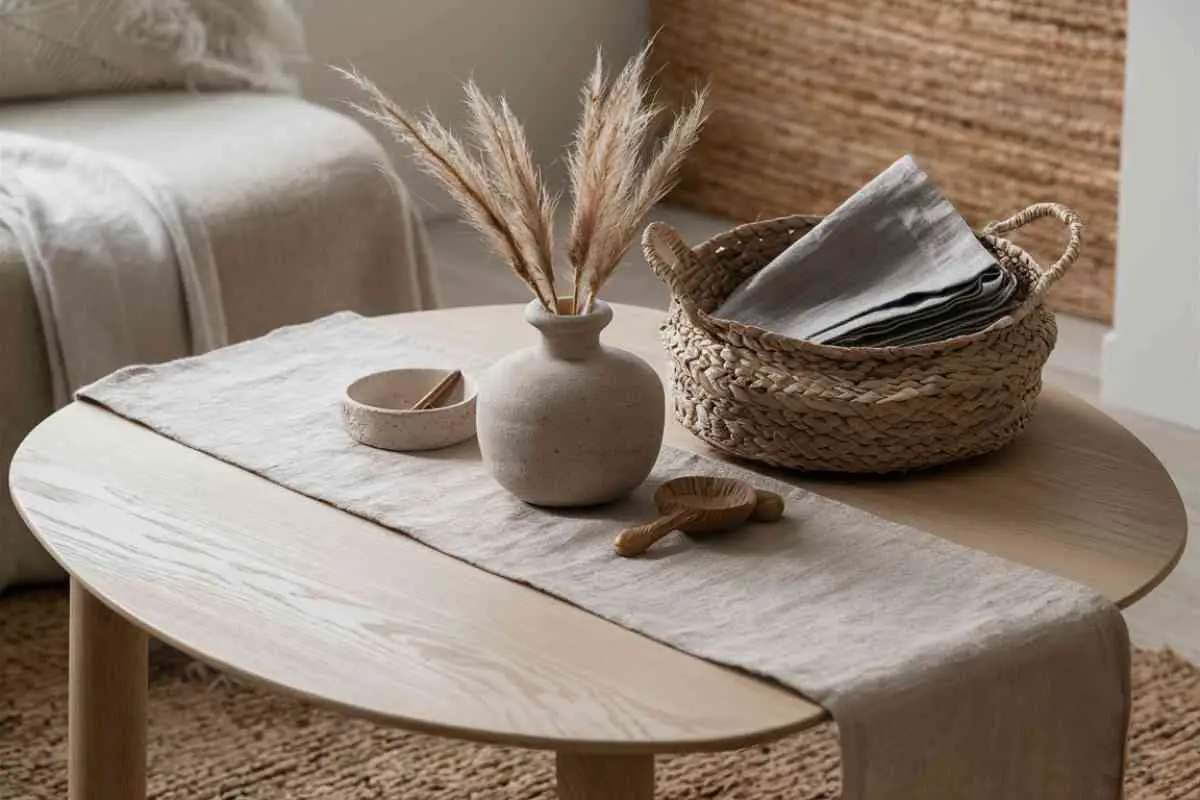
290,592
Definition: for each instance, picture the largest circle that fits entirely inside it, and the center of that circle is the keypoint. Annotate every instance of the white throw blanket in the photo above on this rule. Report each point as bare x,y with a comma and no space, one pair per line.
953,674
120,267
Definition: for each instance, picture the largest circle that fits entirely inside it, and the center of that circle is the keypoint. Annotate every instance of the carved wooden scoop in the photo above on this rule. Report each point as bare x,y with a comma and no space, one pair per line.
696,503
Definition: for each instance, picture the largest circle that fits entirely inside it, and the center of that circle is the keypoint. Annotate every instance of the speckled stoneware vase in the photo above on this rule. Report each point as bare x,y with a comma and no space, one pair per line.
570,421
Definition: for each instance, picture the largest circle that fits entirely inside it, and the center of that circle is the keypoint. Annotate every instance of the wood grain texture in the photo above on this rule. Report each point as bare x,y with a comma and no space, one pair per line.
584,777
293,593
281,589
109,676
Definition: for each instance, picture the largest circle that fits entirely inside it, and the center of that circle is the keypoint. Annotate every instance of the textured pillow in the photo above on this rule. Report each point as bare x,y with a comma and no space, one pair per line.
56,47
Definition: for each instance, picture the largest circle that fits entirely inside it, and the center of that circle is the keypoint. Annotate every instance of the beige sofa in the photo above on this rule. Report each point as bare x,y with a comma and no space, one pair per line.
234,157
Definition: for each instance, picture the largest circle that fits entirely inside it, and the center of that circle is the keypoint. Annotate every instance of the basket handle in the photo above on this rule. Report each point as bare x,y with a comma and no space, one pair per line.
1056,270
672,261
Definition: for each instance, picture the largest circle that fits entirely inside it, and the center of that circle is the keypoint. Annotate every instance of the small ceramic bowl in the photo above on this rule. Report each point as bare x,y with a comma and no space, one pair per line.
376,412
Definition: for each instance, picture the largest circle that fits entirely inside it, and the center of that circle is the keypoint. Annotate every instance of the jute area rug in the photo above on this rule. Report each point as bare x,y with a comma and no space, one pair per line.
211,739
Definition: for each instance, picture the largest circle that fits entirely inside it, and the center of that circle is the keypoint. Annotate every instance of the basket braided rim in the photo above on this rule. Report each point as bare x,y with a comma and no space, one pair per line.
672,261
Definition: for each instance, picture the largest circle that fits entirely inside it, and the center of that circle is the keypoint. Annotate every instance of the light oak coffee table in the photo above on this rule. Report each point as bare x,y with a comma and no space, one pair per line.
292,594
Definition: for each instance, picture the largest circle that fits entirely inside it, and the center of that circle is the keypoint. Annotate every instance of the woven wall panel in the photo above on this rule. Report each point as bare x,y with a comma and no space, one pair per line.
1004,102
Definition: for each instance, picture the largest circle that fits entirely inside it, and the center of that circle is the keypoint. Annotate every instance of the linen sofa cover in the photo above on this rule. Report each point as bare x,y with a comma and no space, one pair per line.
301,218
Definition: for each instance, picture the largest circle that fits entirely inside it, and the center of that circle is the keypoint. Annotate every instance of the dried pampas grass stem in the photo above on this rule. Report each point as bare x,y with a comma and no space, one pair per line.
467,180
614,176
581,166
614,181
527,207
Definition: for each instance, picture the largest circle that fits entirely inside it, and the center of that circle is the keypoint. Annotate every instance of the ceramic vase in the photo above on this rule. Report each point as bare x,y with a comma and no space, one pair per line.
570,421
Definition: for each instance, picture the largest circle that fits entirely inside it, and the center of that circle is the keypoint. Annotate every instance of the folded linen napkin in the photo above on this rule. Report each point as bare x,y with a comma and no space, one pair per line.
894,265
961,310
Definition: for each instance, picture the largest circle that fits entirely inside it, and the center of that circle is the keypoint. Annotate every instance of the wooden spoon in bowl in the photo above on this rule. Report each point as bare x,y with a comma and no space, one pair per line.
693,504
434,396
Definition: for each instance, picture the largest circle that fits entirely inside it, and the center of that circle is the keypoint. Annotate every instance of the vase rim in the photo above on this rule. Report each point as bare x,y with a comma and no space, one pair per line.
596,318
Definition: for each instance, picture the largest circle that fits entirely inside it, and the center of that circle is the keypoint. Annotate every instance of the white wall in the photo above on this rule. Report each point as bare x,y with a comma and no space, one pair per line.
1152,356
536,52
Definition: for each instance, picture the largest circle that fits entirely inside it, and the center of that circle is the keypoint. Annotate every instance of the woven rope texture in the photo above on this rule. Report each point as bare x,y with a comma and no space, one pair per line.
815,407
1001,101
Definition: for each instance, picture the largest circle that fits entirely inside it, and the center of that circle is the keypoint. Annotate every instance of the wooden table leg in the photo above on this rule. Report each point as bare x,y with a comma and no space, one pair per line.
109,677
596,777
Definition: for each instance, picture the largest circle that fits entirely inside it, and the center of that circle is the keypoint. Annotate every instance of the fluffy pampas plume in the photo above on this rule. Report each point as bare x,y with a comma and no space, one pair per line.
613,184
616,176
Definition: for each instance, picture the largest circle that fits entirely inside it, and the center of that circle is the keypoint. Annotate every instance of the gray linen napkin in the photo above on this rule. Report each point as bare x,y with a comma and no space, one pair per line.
895,264
960,311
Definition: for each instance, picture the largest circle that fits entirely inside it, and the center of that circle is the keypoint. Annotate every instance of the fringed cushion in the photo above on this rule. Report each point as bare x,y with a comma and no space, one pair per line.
50,48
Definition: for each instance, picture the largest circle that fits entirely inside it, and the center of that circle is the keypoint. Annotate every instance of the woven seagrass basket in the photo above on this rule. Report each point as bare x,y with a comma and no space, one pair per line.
809,406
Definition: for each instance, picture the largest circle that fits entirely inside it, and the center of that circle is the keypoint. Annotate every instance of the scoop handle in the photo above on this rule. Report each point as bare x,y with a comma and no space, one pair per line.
634,541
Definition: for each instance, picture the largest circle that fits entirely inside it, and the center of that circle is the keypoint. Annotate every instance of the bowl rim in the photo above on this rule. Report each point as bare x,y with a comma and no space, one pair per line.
470,390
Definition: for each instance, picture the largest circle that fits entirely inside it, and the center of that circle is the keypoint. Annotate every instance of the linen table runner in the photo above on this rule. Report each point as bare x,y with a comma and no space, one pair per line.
951,673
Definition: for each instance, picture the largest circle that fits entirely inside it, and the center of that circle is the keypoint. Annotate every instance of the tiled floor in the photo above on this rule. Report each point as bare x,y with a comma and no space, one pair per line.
1170,615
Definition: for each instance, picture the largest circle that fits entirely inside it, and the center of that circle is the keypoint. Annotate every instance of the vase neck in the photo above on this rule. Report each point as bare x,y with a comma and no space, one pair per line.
571,337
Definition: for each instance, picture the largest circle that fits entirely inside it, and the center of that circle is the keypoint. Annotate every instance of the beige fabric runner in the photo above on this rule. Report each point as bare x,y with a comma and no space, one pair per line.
951,673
